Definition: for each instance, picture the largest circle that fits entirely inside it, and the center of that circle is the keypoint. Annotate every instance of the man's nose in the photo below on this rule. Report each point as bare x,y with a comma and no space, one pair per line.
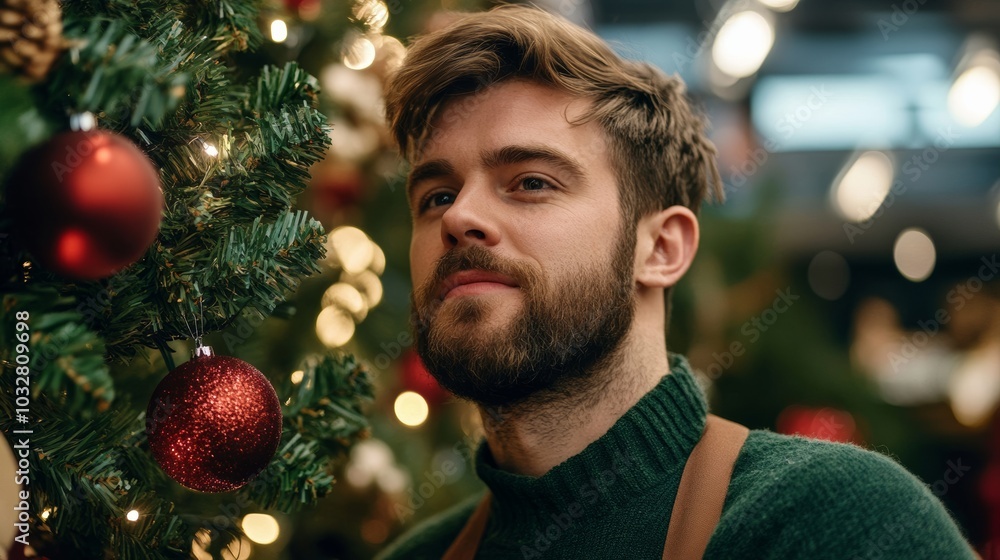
471,218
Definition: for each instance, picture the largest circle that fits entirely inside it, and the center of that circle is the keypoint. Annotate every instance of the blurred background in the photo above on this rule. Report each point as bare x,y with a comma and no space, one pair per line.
847,289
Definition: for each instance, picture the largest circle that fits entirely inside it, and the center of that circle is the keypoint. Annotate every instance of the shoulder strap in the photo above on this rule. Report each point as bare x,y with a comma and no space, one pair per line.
465,545
697,507
702,491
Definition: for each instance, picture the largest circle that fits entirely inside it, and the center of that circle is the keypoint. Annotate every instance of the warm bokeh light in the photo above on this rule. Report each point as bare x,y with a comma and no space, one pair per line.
392,51
372,13
861,189
368,458
378,259
297,376
352,248
260,528
368,283
974,388
346,297
239,549
975,94
914,254
359,52
392,480
132,515
199,545
411,408
279,31
334,327
742,44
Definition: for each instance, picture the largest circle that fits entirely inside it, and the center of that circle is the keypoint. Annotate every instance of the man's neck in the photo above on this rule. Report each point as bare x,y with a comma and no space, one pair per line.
533,436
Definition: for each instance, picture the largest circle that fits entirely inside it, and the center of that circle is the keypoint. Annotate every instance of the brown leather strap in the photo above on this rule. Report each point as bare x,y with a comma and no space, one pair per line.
697,507
702,491
467,542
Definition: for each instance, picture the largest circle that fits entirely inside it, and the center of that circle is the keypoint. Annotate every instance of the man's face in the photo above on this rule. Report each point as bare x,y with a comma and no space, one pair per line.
521,265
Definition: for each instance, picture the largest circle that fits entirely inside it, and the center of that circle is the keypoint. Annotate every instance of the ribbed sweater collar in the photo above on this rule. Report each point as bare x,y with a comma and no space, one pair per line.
647,447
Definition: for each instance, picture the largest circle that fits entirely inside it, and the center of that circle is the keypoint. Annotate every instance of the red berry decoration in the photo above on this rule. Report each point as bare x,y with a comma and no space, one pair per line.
85,204
213,423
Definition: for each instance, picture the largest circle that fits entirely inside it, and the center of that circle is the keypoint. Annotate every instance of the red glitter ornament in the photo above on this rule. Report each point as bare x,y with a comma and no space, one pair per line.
85,204
213,423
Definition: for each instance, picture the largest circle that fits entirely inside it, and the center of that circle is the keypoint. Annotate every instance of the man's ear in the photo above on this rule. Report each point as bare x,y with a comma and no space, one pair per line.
665,248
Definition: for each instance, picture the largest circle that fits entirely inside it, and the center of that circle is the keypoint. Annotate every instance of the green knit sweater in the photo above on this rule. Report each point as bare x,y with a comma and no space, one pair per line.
789,497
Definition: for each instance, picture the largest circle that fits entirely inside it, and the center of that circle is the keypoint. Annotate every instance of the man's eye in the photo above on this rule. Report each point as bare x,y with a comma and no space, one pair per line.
535,183
436,199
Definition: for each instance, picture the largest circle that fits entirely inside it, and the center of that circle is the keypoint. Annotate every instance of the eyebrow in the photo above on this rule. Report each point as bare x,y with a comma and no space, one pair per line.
426,171
492,159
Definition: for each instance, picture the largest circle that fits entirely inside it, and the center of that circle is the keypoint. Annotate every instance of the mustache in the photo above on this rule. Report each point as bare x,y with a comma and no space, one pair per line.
472,258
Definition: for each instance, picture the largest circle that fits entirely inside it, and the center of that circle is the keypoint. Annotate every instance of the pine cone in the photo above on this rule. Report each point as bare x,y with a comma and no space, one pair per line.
30,36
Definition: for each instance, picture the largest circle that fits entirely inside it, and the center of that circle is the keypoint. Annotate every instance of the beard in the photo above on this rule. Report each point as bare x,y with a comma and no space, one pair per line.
567,330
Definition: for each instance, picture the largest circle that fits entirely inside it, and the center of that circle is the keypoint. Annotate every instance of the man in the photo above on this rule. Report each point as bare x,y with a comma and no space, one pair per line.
554,190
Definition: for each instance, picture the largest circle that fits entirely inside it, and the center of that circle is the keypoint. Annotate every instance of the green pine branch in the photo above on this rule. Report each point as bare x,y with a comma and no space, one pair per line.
230,244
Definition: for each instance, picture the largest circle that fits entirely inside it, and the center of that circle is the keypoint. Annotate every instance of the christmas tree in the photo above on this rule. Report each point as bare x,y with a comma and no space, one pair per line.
100,294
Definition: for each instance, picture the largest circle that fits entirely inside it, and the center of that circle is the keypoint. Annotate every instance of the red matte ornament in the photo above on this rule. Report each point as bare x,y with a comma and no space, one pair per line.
416,378
213,423
85,204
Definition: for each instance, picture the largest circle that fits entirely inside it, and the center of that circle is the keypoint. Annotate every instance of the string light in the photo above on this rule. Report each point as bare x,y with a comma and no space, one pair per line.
279,31
863,185
914,254
209,149
359,52
346,297
261,528
373,13
975,95
411,408
742,44
352,248
334,327
297,376
132,515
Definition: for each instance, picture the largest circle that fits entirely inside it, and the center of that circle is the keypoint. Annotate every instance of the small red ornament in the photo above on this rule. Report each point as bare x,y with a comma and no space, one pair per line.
85,204
416,378
823,423
213,423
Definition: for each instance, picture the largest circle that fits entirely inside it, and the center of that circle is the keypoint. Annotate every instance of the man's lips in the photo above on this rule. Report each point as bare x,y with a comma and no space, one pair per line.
469,277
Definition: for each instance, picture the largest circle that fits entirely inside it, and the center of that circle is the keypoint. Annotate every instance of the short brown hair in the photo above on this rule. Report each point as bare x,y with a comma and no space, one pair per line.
659,149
